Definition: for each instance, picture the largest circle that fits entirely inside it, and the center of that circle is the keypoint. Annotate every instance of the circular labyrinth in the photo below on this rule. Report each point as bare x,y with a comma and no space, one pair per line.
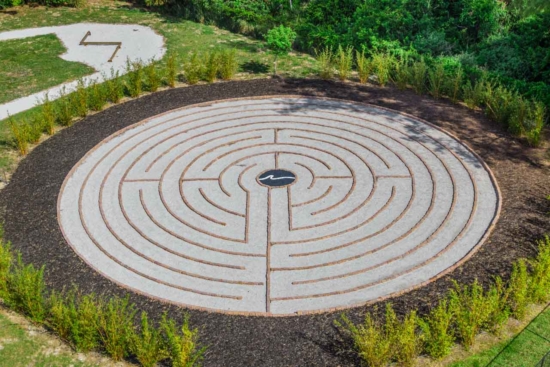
277,206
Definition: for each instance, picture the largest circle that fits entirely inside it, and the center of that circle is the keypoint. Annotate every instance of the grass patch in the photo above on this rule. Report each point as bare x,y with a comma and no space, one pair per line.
33,64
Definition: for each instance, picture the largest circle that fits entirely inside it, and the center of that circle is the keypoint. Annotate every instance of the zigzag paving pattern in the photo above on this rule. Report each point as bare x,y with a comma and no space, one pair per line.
277,206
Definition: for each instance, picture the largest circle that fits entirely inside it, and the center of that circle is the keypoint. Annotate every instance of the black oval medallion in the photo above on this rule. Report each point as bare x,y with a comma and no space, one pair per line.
277,178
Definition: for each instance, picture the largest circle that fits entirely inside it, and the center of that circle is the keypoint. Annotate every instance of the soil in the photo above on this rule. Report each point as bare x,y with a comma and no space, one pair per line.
29,210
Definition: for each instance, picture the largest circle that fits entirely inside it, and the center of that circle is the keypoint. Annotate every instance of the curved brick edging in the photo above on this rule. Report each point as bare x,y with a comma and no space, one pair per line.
30,200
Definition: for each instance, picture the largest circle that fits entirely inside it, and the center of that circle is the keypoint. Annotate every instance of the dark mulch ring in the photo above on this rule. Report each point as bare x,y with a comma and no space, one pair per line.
29,209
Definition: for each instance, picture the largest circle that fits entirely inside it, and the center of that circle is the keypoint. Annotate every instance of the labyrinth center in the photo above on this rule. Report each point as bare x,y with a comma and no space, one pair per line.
277,205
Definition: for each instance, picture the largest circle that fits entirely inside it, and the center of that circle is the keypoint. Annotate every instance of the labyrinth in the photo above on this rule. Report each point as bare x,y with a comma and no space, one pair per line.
277,205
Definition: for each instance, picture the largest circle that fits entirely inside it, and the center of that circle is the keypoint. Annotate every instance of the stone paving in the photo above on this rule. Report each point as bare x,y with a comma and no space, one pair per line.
277,206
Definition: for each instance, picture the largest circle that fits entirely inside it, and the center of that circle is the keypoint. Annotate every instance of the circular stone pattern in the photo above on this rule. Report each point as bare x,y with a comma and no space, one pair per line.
173,207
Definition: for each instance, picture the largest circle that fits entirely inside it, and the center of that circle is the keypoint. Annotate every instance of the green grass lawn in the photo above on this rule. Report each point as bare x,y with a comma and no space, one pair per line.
20,347
33,64
526,350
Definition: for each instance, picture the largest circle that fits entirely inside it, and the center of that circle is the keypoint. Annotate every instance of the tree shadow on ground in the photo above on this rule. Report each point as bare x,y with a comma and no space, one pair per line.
255,67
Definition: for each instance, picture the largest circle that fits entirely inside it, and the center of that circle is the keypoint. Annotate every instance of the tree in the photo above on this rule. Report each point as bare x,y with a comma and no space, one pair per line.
279,41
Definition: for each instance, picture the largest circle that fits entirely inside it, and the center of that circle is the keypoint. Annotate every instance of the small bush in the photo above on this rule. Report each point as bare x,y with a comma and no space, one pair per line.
535,123
279,40
181,343
116,321
59,314
84,316
134,78
382,64
228,64
193,69
26,290
371,341
48,115
147,345
6,260
20,135
64,110
498,103
518,115
437,333
401,73
35,127
499,311
518,288
80,99
419,72
211,66
364,66
539,280
344,60
171,70
474,94
325,61
97,98
153,79
471,311
436,78
406,344
114,87
453,84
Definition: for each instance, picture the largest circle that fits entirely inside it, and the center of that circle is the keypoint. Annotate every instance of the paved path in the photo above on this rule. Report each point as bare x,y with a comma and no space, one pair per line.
277,206
137,43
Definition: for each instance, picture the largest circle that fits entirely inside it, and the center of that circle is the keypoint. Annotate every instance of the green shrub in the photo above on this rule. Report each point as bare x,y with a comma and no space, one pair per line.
518,116
436,79
134,78
536,120
473,94
406,343
64,110
153,79
6,260
539,280
228,64
518,288
325,61
35,127
116,321
84,316
419,70
96,97
211,66
26,290
401,73
364,66
279,40
437,332
193,69
370,339
453,84
470,309
498,103
20,135
59,314
114,87
499,311
171,70
382,65
147,344
80,100
182,343
344,61
48,114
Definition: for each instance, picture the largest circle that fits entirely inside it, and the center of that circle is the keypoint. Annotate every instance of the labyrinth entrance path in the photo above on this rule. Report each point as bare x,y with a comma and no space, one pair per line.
277,206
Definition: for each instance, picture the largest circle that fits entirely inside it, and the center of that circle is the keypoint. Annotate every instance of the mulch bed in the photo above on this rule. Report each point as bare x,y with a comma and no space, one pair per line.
29,210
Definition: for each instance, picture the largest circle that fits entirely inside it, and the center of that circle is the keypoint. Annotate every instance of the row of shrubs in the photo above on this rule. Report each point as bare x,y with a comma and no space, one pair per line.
71,3
89,322
459,317
522,117
139,78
